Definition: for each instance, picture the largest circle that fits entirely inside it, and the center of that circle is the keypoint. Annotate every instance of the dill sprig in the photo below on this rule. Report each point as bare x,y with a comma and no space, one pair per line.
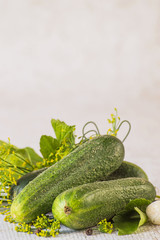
13,165
116,124
46,227
42,226
42,222
24,227
115,120
8,217
60,153
105,227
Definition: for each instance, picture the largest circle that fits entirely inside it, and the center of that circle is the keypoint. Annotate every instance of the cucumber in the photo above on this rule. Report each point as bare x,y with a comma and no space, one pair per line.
84,206
23,181
92,161
127,169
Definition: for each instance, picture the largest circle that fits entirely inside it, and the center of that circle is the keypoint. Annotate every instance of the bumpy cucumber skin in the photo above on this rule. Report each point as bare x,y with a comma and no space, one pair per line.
90,203
127,169
23,181
90,162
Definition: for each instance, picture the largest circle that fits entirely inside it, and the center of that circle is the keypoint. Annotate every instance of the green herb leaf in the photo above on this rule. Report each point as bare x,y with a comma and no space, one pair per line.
143,216
63,132
57,148
54,149
132,217
48,145
33,156
29,155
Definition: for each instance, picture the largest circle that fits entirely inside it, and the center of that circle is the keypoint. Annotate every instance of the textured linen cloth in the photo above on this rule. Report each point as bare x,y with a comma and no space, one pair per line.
146,232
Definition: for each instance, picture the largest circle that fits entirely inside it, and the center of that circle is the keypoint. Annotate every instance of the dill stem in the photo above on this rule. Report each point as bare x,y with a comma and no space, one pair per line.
20,168
23,159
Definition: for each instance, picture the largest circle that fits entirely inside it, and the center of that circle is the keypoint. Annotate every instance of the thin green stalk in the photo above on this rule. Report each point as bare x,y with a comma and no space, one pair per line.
89,132
24,170
97,132
11,165
23,159
128,129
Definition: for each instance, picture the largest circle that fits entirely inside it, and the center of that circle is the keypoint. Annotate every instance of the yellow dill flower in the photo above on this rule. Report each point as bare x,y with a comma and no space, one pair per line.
115,123
105,227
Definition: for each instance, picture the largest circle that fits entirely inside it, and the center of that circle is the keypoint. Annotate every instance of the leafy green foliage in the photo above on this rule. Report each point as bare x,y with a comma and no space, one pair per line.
14,163
63,132
54,149
132,217
33,156
48,145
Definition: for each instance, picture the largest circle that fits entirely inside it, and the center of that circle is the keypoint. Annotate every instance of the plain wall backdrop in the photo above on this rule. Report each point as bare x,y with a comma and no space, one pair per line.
77,60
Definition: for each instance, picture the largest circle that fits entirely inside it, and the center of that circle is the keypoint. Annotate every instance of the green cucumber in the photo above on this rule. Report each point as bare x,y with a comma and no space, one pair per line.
84,206
92,161
127,169
23,181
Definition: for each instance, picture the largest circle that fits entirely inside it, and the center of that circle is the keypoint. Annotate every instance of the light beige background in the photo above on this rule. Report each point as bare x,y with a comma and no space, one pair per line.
76,61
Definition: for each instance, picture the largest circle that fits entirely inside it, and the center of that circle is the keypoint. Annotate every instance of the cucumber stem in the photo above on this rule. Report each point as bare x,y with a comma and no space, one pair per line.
67,210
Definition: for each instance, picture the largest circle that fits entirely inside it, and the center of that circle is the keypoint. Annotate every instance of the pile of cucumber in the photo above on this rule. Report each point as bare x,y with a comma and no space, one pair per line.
91,183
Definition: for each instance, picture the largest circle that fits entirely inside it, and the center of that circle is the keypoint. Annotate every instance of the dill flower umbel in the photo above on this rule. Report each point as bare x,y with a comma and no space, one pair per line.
43,226
115,120
105,227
